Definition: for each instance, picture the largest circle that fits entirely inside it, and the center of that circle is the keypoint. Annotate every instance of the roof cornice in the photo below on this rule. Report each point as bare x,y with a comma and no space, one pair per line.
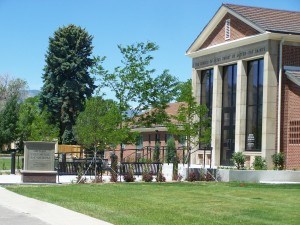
244,41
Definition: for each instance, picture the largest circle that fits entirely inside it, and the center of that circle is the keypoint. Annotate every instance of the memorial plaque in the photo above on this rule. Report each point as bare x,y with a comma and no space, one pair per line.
39,162
39,156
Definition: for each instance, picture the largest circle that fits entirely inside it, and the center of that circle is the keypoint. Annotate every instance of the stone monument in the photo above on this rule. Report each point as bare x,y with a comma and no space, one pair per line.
39,162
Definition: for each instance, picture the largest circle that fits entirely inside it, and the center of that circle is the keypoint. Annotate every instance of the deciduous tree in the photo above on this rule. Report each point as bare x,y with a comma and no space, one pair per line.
98,126
8,121
191,121
135,85
33,124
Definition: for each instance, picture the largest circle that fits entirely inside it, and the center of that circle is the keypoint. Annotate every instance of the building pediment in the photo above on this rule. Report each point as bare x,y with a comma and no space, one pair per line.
244,22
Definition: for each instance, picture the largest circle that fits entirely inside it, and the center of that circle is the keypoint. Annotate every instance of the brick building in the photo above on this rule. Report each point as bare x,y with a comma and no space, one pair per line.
148,136
246,69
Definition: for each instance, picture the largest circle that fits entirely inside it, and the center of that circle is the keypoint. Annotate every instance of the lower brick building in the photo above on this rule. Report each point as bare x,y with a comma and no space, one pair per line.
246,70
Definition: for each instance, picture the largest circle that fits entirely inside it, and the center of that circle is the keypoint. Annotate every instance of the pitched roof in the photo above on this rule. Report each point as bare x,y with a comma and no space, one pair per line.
293,74
273,20
261,19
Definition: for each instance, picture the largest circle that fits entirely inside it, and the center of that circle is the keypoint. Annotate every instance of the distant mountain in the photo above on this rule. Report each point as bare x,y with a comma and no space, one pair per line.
32,93
29,94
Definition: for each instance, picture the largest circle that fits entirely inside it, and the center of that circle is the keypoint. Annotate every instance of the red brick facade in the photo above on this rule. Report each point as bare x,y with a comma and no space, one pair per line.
291,111
238,30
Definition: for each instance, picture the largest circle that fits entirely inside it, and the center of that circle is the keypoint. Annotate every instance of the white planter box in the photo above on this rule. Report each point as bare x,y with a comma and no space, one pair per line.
262,176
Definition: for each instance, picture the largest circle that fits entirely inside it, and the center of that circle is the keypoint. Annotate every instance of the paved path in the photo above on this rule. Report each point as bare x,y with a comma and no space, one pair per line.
11,217
18,209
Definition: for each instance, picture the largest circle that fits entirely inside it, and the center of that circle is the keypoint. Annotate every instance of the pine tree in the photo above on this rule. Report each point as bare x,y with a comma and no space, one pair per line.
67,82
171,150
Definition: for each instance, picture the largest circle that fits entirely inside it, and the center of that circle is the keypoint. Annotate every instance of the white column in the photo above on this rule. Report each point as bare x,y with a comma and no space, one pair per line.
216,116
241,99
196,87
269,103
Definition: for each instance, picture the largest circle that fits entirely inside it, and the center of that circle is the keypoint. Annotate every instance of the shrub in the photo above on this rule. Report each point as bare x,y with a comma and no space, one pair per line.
238,159
209,177
179,177
160,177
114,168
144,160
129,177
278,161
147,175
3,166
156,152
98,179
259,163
193,177
170,150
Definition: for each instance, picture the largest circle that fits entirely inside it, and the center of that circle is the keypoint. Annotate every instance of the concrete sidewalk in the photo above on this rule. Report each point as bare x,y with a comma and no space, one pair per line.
18,209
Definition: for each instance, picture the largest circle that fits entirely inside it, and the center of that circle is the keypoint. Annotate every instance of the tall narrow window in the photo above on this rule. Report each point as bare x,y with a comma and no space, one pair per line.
227,29
139,142
254,105
207,89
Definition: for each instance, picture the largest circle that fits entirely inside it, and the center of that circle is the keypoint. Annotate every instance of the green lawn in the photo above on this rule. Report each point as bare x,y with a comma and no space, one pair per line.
176,203
5,163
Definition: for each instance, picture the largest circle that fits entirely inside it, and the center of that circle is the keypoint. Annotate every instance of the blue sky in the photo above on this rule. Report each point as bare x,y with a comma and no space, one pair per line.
26,26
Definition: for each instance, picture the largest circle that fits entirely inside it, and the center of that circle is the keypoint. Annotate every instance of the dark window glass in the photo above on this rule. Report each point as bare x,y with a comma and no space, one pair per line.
229,86
207,89
228,113
254,105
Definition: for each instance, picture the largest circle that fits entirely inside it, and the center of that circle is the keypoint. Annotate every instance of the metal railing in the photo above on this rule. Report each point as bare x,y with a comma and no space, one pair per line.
138,168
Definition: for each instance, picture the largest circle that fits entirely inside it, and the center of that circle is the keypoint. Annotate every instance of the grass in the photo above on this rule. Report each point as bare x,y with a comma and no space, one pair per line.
176,203
5,163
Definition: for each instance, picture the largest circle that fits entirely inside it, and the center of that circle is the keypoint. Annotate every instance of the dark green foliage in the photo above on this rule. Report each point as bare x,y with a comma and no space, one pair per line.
8,121
156,153
33,124
185,90
278,161
114,167
67,82
238,159
170,150
98,125
259,163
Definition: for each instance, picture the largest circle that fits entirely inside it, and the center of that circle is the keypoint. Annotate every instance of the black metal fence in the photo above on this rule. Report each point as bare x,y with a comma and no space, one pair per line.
74,166
146,154
138,168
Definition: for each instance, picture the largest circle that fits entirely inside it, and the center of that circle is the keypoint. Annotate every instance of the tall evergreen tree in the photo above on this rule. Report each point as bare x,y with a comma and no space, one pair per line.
67,82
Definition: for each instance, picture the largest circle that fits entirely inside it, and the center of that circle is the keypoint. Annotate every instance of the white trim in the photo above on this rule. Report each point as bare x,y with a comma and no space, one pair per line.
291,68
227,30
230,44
279,97
244,41
149,129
